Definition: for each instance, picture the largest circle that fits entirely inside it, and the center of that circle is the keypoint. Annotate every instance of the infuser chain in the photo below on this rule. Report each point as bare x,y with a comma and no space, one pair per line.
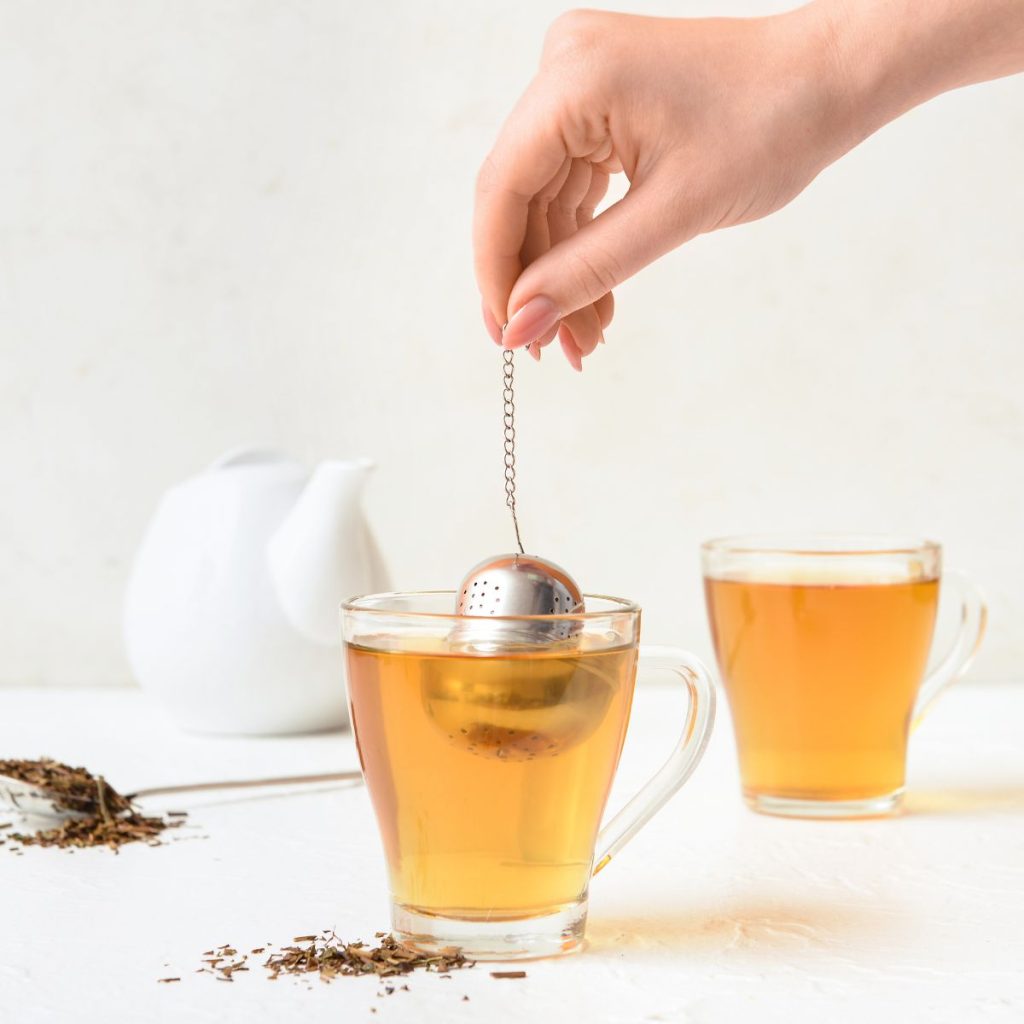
509,419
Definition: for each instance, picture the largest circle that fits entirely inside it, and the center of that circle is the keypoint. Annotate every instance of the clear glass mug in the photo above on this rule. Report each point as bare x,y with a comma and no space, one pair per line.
822,643
489,771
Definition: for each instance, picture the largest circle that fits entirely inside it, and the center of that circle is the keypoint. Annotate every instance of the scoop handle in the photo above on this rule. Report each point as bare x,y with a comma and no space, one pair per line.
284,780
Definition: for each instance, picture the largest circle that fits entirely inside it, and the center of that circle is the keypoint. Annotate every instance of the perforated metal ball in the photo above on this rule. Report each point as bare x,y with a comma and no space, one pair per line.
516,585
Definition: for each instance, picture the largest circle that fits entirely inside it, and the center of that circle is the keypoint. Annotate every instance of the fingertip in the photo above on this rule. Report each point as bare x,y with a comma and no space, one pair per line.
548,338
605,307
570,348
535,348
530,322
491,324
585,328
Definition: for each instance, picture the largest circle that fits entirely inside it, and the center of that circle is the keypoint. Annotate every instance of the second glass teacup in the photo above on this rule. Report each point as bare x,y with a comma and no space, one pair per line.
822,642
489,769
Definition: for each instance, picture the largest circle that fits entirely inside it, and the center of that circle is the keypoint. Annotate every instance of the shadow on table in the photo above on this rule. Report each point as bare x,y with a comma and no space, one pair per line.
758,929
1006,799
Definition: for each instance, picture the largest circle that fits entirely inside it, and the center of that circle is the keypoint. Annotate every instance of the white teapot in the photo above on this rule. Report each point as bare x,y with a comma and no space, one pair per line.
232,611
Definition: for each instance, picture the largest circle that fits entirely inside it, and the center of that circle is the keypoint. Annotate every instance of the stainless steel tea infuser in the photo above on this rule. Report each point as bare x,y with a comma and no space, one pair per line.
515,584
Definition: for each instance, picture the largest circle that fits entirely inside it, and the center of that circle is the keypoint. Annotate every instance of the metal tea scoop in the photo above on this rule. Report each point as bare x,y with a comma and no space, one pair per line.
515,584
35,801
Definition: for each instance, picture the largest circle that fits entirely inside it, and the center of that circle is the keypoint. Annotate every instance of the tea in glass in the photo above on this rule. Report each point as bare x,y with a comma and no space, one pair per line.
529,741
823,646
489,764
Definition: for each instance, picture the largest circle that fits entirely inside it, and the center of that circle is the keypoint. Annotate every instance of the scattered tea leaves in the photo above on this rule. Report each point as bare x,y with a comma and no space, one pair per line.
328,957
508,974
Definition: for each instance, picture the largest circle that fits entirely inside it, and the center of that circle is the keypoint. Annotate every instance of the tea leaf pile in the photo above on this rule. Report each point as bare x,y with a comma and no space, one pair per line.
71,789
103,816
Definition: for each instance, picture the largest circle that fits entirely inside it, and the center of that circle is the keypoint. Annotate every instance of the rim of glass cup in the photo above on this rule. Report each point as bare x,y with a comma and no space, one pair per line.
361,604
818,544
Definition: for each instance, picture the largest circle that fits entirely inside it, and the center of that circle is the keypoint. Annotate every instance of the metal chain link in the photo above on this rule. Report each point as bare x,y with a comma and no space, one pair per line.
509,418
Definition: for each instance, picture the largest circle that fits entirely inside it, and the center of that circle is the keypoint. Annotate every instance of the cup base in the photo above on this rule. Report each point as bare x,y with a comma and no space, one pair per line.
788,807
525,939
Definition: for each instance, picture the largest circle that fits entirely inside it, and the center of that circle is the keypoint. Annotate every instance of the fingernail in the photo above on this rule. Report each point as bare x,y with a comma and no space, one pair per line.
534,351
547,338
601,338
491,324
571,350
530,322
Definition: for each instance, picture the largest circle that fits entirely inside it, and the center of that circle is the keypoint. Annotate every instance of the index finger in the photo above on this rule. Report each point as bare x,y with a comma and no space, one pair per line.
528,153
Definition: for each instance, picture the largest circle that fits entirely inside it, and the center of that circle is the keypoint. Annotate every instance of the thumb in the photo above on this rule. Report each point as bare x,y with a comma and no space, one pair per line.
646,223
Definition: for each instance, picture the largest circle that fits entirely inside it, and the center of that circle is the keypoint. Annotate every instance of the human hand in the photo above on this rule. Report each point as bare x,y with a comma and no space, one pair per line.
714,121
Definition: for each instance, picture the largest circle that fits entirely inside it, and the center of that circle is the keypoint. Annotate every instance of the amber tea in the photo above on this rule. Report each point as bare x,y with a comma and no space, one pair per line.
823,643
489,772
489,743
822,678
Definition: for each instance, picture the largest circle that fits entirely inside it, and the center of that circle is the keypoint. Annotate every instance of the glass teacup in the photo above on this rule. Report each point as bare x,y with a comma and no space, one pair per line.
489,770
823,642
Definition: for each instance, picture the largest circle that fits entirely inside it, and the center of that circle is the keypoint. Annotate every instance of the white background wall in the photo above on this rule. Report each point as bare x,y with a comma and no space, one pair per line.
224,222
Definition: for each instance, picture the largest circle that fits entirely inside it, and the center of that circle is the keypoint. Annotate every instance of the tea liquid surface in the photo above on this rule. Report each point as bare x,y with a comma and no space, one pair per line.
489,774
822,679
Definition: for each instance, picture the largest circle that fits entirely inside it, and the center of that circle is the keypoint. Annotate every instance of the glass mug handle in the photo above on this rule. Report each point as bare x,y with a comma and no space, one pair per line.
973,619
679,767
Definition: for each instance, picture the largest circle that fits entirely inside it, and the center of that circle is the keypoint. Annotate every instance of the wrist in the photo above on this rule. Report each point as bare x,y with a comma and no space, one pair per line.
888,56
854,62
841,104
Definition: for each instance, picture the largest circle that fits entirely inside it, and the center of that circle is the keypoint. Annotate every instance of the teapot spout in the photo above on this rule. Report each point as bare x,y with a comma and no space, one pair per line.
322,552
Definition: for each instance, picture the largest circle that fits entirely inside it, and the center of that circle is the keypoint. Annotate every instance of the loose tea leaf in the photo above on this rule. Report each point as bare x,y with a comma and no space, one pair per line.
508,974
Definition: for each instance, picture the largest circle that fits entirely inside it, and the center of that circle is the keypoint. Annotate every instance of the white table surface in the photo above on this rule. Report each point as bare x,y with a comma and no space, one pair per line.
712,914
